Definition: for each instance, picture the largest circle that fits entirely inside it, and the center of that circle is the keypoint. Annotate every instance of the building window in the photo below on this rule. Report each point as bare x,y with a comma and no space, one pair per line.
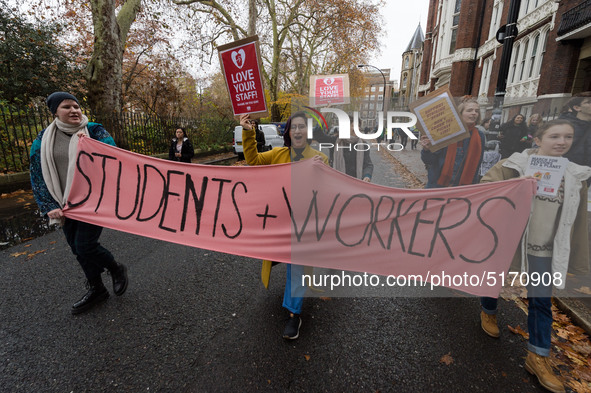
381,89
454,26
380,97
495,21
373,88
532,57
528,6
372,106
523,57
515,60
404,78
485,78
543,51
406,62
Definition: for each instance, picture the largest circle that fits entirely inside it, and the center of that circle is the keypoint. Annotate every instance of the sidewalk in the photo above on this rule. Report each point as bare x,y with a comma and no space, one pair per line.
578,309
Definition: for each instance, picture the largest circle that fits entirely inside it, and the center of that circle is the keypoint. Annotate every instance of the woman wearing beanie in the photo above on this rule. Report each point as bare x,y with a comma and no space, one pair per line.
52,168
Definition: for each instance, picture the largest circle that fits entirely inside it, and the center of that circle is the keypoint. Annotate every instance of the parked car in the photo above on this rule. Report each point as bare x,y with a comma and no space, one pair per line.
272,138
280,127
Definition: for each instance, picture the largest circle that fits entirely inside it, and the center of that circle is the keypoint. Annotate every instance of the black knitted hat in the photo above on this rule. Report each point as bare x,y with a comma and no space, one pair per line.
55,99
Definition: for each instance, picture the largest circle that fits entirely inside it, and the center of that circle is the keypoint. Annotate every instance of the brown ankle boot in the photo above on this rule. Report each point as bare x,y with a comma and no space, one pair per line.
538,366
488,322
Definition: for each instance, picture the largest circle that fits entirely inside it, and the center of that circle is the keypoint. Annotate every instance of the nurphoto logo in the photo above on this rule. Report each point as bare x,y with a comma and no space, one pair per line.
344,129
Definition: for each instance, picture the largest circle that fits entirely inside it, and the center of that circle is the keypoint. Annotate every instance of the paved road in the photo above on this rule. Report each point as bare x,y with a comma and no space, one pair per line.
194,320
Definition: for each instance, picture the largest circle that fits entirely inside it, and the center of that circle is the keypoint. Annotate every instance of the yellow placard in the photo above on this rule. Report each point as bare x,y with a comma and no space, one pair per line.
439,119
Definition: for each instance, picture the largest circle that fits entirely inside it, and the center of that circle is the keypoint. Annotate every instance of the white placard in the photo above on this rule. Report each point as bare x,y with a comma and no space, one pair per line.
548,171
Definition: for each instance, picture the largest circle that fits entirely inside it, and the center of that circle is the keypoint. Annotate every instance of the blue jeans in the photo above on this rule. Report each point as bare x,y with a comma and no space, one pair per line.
83,240
293,297
539,310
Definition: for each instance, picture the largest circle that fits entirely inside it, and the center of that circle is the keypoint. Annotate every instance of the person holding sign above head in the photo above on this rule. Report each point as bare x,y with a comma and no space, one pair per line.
53,158
297,148
457,164
181,148
554,242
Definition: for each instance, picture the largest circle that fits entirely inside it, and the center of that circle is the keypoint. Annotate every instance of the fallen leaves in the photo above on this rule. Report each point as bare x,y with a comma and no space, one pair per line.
518,330
18,254
446,359
29,255
410,179
32,255
571,353
307,357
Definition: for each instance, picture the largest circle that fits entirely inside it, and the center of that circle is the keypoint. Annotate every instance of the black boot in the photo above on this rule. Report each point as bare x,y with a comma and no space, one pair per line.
119,275
96,294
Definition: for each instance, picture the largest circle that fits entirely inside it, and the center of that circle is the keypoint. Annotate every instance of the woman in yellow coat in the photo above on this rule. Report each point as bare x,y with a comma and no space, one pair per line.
296,148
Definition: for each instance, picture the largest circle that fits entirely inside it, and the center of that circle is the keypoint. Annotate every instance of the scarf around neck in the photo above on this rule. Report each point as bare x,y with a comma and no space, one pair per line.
48,166
470,163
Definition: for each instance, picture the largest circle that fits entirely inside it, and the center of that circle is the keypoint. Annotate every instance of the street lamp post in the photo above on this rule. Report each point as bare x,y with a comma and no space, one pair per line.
383,77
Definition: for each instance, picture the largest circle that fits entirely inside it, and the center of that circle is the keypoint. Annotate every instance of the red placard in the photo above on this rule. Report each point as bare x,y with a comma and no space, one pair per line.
329,89
241,64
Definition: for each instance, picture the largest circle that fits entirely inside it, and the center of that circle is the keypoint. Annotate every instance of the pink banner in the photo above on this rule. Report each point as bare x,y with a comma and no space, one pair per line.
307,213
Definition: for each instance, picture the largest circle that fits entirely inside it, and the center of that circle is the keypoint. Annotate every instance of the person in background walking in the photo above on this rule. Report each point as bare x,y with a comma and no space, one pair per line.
415,142
403,137
513,136
297,148
53,159
554,242
260,137
457,164
347,159
181,148
579,114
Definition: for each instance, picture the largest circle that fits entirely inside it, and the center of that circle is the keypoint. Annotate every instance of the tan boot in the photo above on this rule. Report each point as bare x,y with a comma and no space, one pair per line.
489,324
538,366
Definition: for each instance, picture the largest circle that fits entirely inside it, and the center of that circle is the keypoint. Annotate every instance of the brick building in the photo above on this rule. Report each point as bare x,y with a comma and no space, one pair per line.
377,96
551,57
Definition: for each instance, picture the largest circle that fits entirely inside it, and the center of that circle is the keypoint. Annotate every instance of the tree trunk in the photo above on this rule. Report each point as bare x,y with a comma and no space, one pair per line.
104,70
252,17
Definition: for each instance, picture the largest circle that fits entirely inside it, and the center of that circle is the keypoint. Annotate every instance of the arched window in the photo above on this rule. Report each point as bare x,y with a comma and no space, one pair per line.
406,62
515,60
543,51
532,57
523,57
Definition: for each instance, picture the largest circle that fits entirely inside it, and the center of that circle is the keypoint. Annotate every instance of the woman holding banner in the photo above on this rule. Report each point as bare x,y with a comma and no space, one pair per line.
555,241
457,164
53,157
297,148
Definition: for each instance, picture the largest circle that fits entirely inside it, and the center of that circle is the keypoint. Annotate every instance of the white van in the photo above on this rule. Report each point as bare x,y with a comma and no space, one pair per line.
272,138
